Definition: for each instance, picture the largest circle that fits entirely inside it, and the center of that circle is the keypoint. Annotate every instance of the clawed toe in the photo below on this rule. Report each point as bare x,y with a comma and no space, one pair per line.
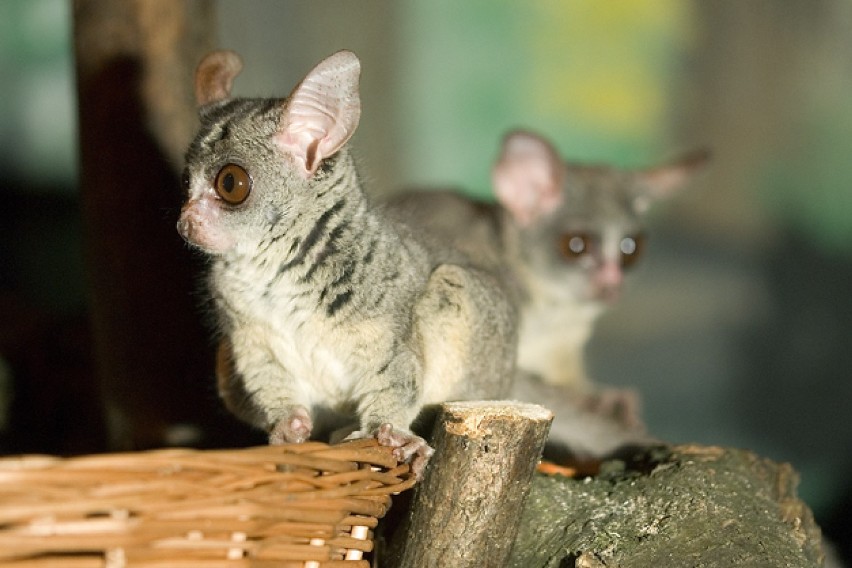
294,428
407,447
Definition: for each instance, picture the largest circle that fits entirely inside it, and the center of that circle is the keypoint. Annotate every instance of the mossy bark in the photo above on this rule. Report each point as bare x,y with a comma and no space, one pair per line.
681,506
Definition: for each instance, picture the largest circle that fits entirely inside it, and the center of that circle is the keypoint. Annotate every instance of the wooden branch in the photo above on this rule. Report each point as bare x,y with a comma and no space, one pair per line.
134,63
467,509
161,42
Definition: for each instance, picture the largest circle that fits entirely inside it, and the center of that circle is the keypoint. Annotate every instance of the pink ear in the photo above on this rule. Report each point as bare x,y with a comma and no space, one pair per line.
214,76
528,177
661,182
322,112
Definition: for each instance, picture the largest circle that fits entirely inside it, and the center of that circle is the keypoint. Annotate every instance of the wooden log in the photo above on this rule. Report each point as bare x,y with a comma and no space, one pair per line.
467,509
674,506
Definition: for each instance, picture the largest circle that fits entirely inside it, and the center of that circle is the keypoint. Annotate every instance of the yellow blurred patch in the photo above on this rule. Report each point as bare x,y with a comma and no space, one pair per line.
602,63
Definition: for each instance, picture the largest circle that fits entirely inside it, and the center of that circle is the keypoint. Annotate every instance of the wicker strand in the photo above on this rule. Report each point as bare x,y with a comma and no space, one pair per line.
308,505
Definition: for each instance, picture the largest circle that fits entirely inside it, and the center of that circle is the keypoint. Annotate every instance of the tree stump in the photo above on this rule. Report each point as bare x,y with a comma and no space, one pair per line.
467,508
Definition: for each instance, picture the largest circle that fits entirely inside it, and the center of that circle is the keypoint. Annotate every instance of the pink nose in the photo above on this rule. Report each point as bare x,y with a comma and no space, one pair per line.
190,224
184,227
608,280
200,225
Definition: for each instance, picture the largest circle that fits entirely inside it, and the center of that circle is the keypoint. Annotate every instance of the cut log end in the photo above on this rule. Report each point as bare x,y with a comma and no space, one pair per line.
470,501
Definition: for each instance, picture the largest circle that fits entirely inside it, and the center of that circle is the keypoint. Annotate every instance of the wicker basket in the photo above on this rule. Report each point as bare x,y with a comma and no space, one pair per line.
303,505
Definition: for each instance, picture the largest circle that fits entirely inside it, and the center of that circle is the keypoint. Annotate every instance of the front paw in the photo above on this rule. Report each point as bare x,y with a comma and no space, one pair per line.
294,428
407,446
622,405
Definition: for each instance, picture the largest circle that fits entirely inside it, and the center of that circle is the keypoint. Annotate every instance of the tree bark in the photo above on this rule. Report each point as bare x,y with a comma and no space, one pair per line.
134,63
674,506
467,509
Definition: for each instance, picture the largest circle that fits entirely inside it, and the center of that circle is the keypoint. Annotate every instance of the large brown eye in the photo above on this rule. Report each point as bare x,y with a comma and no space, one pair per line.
574,245
631,249
233,184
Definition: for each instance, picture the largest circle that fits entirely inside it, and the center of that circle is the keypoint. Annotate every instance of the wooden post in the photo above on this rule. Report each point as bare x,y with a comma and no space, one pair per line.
466,511
135,61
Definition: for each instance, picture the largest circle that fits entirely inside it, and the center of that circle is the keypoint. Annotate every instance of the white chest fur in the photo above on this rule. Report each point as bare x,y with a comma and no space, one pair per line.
278,325
554,330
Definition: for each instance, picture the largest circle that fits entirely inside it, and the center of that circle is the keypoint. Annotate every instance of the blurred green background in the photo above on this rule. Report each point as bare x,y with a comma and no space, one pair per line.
737,328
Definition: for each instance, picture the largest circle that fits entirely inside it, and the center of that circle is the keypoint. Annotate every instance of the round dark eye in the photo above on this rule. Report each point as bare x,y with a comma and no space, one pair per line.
233,184
631,249
574,245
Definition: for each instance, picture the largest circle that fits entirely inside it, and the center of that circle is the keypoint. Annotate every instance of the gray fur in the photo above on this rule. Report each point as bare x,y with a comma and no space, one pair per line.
328,310
558,300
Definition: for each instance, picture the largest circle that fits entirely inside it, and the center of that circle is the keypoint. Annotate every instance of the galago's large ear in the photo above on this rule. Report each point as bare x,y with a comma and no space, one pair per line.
528,177
322,112
661,182
215,75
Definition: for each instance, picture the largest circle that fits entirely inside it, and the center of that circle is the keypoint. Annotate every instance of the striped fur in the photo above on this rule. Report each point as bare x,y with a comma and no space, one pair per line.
329,313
